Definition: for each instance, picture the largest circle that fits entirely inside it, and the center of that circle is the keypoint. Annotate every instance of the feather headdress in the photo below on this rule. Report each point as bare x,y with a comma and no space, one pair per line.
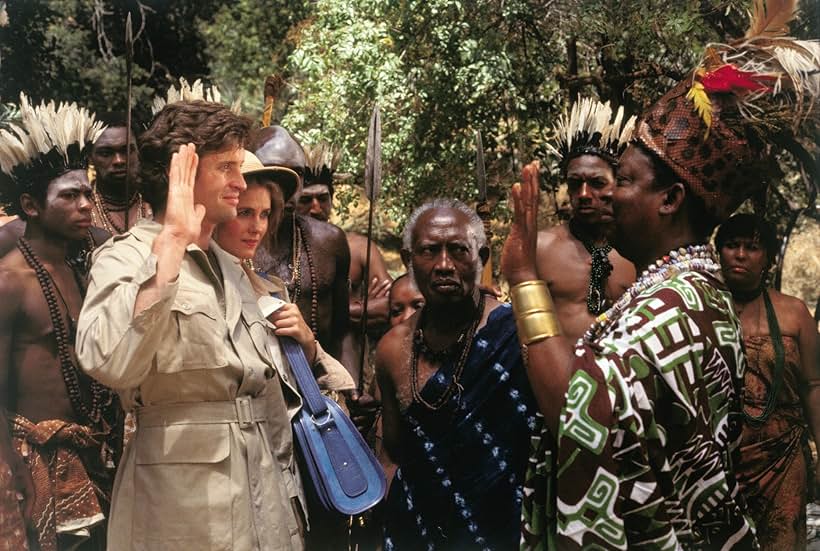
49,140
773,79
590,130
321,161
188,92
713,129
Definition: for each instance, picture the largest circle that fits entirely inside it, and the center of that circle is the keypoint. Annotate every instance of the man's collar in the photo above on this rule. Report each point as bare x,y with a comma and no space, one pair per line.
148,230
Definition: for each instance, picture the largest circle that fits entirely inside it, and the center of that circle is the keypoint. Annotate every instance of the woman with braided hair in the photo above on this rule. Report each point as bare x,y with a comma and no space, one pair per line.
781,400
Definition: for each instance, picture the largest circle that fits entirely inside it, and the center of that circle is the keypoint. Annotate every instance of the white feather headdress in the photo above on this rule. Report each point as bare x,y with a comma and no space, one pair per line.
49,140
188,92
61,132
321,161
589,129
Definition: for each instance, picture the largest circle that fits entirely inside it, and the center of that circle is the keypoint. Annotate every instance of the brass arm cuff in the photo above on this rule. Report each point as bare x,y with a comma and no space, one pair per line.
534,312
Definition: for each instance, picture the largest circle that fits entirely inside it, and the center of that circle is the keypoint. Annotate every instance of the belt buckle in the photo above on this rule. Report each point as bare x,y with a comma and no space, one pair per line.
244,411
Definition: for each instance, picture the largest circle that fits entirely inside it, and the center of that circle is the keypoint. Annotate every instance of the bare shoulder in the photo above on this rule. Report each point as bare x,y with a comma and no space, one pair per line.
15,276
391,347
791,312
356,239
324,235
358,246
9,234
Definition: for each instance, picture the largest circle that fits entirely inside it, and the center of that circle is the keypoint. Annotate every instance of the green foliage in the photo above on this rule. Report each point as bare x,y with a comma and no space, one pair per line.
344,62
246,41
439,69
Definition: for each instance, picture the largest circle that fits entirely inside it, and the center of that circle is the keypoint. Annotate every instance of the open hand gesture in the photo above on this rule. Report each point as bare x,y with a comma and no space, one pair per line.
183,218
518,255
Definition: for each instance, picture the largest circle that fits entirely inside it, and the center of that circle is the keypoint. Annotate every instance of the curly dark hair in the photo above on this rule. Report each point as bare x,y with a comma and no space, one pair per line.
209,126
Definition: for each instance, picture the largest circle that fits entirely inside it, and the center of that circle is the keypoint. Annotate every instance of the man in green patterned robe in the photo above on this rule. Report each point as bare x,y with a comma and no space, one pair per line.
644,413
642,446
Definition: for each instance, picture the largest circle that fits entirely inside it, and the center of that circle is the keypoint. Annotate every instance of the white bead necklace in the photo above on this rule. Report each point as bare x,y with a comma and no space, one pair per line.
697,258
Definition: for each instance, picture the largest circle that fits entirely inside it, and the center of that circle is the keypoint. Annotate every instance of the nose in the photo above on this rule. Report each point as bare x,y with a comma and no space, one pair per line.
444,264
256,226
119,159
585,191
406,313
740,252
238,181
315,205
84,203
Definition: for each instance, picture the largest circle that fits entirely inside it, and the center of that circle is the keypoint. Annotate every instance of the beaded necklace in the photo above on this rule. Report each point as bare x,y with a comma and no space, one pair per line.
598,273
466,340
295,286
696,258
101,397
108,223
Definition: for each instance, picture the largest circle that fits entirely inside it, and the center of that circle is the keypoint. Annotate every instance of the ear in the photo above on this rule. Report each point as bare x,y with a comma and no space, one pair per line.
484,254
673,198
405,258
30,206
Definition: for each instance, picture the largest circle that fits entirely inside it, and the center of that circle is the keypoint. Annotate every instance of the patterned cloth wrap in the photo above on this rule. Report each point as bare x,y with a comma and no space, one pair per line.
773,472
459,484
12,525
649,433
71,484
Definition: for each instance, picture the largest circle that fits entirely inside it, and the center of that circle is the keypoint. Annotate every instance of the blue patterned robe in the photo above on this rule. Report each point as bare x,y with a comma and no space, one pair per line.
460,483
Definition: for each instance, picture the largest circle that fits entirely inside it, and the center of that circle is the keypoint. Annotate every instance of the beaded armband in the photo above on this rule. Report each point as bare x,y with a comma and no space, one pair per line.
534,312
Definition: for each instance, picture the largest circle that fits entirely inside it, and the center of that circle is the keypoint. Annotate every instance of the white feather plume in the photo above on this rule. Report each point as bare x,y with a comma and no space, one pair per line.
590,124
188,92
43,128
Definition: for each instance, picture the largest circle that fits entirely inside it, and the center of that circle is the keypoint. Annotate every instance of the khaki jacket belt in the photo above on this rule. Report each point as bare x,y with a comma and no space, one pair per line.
244,410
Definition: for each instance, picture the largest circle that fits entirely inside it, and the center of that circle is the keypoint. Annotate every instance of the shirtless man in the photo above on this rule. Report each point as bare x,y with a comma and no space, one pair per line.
108,214
108,155
316,200
74,421
458,409
584,274
310,256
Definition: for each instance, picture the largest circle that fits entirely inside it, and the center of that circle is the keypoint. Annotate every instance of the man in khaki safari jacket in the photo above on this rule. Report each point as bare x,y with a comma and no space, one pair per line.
171,322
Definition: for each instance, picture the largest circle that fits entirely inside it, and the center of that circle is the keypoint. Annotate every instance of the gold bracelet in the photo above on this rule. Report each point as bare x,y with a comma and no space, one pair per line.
531,296
534,312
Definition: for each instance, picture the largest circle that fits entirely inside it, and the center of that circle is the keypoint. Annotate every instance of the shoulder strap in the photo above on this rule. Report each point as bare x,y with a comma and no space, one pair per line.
308,388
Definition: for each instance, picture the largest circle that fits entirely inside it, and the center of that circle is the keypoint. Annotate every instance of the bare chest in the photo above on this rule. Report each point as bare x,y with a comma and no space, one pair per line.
48,303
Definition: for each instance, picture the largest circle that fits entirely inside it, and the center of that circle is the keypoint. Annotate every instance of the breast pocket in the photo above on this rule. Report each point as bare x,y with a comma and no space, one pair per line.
197,339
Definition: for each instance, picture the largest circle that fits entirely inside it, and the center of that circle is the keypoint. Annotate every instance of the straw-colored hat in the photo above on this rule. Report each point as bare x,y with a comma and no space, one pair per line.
285,178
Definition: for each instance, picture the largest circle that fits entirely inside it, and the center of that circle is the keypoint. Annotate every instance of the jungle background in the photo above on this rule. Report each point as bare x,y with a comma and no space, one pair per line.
439,70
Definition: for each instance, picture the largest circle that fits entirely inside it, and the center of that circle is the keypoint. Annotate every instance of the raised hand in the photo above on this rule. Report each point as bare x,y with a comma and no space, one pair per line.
289,322
183,218
518,255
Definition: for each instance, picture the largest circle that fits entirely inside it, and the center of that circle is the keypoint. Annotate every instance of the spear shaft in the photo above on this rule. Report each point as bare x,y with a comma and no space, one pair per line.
372,183
482,207
129,59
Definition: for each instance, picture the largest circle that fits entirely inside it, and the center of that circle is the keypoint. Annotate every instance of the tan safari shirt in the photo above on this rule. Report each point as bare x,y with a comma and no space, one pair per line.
211,464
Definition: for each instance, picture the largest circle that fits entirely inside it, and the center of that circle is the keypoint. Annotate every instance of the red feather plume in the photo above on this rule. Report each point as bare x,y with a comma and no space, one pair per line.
729,79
